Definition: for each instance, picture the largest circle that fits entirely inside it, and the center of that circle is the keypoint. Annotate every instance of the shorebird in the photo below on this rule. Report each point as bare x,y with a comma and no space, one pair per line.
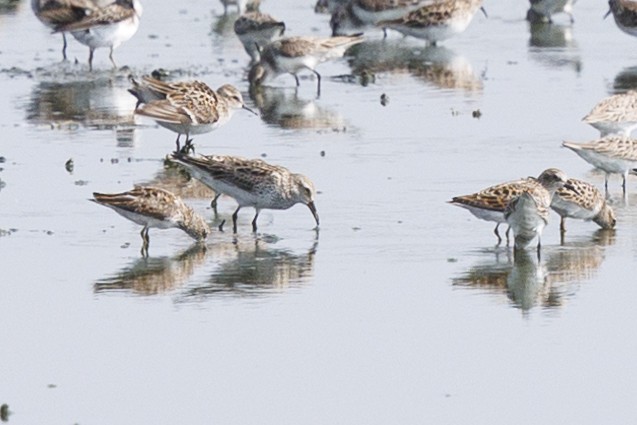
611,154
255,30
109,27
251,182
58,13
615,114
154,207
294,54
437,21
625,15
186,107
490,203
358,14
581,200
528,213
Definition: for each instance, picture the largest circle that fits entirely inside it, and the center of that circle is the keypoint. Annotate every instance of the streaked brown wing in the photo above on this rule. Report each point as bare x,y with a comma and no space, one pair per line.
110,14
164,110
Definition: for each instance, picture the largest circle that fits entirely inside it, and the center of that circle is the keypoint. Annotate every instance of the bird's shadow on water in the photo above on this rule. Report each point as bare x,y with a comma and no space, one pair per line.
242,266
438,66
528,282
554,47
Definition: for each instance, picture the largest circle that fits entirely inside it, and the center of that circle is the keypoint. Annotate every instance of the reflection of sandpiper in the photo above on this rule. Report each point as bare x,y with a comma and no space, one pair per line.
155,275
543,10
284,108
554,47
97,104
438,66
254,270
241,5
528,282
523,281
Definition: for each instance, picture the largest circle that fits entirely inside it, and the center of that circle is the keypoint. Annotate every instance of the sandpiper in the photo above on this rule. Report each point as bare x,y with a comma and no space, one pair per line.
255,30
361,13
611,154
615,114
625,15
543,10
528,213
57,13
581,200
154,207
489,203
294,54
437,21
251,182
109,27
186,107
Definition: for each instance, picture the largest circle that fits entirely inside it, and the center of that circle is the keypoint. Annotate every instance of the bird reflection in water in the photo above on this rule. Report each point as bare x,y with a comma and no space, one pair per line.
282,107
8,7
99,104
625,80
254,270
154,275
553,46
528,283
436,65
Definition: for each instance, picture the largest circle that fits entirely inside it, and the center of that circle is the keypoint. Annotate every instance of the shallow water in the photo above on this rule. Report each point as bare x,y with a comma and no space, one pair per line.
399,310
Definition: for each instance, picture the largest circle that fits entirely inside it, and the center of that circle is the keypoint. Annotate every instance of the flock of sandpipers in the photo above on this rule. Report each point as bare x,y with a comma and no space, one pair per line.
191,107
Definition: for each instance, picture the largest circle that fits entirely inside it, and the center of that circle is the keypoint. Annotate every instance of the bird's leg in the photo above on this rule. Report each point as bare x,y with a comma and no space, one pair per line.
497,234
384,33
188,147
145,241
234,219
606,183
110,56
254,222
213,203
64,47
177,142
539,248
296,78
562,225
507,234
90,59
624,182
318,86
